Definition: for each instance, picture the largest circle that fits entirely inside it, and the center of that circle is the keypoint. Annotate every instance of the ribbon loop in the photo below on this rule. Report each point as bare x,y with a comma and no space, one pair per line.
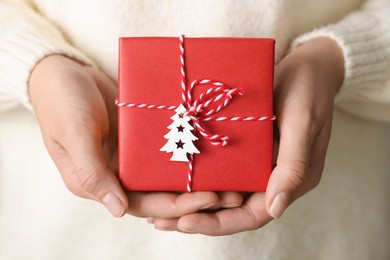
219,93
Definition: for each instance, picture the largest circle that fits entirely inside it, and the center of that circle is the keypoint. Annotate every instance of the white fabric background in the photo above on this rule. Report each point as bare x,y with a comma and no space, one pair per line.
346,217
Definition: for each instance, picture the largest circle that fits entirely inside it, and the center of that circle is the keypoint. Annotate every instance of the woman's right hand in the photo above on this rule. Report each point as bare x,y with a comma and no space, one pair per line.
75,108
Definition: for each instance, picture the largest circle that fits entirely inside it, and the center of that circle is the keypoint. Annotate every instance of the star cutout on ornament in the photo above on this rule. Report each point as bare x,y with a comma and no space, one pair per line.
180,128
179,144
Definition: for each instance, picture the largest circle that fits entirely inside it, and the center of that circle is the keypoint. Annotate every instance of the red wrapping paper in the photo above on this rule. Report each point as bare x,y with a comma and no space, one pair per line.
149,72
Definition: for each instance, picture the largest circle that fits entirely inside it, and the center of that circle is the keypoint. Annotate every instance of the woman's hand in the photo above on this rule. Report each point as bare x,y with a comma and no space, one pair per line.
75,108
306,82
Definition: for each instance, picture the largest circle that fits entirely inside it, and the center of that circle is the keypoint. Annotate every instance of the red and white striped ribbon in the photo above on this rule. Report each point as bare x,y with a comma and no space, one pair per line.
199,110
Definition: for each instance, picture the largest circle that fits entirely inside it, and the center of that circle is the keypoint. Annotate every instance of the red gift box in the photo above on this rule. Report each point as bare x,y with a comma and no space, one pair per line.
150,73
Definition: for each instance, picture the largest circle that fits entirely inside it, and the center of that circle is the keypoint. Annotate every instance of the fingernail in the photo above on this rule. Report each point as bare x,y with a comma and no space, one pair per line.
278,205
230,205
185,229
207,206
150,220
113,204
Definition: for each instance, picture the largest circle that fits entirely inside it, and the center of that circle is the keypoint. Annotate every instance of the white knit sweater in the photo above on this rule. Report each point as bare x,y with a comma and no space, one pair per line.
88,30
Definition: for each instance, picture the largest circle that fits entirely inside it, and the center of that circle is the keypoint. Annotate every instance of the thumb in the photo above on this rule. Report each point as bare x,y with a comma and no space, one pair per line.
291,167
93,175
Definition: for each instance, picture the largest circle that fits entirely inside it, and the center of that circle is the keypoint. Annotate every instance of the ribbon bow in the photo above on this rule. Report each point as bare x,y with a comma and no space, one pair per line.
198,110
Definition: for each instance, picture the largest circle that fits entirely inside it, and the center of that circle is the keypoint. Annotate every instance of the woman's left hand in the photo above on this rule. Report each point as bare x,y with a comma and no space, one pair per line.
306,82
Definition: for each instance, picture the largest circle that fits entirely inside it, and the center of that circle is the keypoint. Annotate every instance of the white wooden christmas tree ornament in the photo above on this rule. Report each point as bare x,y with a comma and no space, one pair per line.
180,138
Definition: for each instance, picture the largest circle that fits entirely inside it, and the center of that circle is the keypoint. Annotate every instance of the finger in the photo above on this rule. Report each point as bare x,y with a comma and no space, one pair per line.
91,170
150,220
169,224
250,216
228,199
165,224
64,164
318,154
285,189
296,137
169,204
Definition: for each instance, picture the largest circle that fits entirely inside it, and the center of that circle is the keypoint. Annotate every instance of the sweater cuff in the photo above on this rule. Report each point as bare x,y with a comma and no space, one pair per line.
21,49
365,42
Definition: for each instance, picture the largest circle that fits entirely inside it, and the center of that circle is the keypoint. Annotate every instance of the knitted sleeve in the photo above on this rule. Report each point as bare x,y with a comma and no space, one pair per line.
364,37
25,39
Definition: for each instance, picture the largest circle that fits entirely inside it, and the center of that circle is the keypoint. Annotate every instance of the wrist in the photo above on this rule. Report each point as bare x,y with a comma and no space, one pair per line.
46,71
328,57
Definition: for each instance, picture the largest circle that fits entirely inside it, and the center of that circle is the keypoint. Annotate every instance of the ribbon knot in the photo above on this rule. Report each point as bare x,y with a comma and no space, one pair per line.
209,102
